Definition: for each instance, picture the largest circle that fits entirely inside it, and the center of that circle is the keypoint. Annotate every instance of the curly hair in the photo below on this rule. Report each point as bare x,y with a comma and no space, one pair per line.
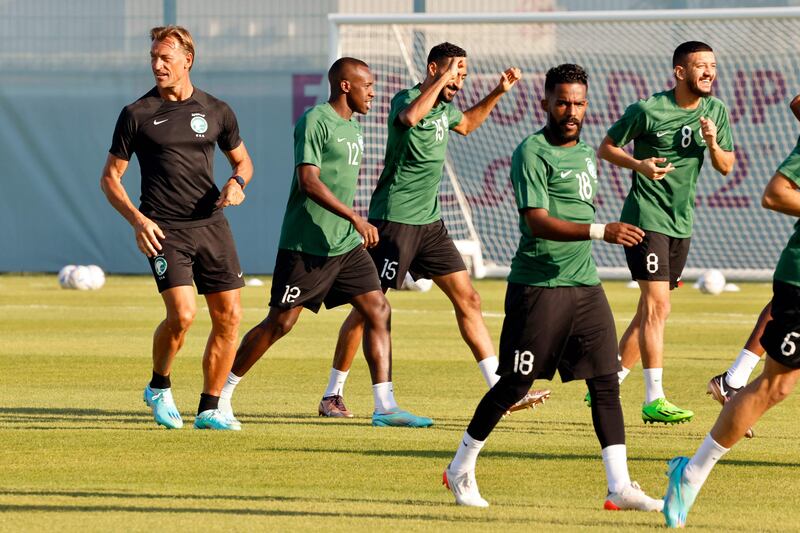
566,73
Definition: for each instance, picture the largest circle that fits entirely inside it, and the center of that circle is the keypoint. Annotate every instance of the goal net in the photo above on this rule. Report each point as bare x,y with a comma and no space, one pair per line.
628,55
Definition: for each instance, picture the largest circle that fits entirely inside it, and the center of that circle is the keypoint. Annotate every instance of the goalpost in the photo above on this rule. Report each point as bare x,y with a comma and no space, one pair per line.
628,55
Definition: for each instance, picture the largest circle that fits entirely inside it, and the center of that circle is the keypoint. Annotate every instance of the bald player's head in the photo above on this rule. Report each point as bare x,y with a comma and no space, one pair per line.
343,69
351,79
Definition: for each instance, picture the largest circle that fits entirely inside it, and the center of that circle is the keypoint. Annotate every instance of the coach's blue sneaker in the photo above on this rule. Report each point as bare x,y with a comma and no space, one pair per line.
216,419
165,412
400,418
680,495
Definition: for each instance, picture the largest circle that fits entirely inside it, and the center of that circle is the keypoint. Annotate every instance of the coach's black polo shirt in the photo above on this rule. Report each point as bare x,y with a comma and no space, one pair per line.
174,142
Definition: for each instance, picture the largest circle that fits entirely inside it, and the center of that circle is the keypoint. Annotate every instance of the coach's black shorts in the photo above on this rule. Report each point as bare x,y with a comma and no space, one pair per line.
206,254
566,328
423,251
781,336
658,257
309,280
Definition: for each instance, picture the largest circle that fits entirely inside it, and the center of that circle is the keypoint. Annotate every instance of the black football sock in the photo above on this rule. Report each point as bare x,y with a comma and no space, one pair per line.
609,424
160,382
207,402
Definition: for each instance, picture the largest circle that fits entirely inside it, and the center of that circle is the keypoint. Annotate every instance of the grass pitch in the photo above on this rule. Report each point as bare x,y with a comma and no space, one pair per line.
80,450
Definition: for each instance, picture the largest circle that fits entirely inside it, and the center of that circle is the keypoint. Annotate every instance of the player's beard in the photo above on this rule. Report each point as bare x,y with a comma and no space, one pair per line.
559,133
443,95
695,89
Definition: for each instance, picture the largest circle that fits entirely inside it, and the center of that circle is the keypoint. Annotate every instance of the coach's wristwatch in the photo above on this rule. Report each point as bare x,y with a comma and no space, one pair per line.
239,180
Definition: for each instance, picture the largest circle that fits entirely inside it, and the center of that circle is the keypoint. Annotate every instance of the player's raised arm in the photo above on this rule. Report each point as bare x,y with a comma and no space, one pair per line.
308,178
650,167
544,226
147,232
232,192
439,75
475,115
781,194
722,160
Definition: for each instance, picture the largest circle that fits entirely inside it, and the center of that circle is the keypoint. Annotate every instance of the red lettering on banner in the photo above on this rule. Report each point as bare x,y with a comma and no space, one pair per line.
739,108
300,100
614,84
762,97
496,185
721,198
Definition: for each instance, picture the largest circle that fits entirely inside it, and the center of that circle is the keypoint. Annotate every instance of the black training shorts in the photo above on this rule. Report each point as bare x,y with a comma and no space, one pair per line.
569,329
309,280
424,251
205,254
781,338
658,257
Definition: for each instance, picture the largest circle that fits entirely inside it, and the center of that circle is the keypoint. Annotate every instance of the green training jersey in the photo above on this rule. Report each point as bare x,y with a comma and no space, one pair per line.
788,269
660,128
408,189
562,180
334,145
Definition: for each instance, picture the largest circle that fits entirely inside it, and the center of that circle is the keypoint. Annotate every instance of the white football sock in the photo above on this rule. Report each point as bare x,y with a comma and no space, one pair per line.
336,383
488,368
230,385
466,455
653,388
615,460
699,466
740,370
384,397
622,374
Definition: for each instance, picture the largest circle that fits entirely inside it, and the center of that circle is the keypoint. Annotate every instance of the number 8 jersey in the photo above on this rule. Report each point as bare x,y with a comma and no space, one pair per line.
659,127
334,145
562,180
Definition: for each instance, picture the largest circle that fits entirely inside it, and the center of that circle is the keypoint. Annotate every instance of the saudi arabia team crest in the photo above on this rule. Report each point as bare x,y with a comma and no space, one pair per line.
199,124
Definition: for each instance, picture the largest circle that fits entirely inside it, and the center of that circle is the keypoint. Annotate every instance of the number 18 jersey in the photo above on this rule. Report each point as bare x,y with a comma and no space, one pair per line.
562,180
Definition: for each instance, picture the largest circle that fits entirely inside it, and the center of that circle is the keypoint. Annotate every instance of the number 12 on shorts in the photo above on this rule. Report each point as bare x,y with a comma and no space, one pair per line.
523,362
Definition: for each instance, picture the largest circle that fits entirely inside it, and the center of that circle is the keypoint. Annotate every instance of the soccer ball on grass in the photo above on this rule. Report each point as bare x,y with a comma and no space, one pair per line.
711,282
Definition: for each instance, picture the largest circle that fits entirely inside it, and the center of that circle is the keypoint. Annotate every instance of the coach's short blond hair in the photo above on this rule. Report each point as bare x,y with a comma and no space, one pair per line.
180,34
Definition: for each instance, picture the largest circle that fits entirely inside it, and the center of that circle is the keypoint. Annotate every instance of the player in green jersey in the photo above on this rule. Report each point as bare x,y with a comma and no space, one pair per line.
557,314
405,209
671,132
724,386
321,258
781,339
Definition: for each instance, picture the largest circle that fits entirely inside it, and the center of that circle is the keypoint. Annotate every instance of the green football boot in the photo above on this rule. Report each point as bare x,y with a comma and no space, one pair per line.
661,410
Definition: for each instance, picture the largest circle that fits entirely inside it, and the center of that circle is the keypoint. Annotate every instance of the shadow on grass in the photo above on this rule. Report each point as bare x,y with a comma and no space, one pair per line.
471,516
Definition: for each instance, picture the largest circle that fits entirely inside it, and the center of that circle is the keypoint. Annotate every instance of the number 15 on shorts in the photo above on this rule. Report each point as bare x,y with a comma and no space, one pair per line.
523,362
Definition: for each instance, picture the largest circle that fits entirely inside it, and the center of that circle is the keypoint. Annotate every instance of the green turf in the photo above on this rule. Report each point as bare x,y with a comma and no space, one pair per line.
80,450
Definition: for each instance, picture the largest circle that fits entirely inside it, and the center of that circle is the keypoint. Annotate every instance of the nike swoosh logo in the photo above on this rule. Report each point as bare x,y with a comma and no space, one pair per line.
566,173
340,140
157,122
239,275
661,133
722,387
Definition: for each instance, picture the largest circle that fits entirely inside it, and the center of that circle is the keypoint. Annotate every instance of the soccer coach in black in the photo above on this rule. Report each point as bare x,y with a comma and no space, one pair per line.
179,224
